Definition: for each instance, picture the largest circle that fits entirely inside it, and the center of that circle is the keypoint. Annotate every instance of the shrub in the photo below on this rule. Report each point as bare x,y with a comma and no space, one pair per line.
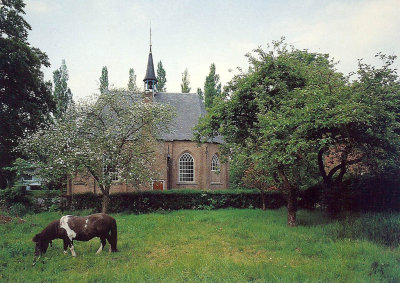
140,202
18,209
15,199
15,194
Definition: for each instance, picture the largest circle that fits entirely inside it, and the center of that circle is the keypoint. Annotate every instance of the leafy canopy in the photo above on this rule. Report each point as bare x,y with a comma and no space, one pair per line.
25,98
291,107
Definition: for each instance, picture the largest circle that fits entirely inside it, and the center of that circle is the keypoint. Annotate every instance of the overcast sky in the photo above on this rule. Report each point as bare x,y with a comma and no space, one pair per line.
193,34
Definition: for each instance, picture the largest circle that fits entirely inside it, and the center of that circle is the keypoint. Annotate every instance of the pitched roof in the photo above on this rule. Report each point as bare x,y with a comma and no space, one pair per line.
189,108
150,75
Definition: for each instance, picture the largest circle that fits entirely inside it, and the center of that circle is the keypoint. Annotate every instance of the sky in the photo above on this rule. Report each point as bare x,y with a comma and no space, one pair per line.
193,34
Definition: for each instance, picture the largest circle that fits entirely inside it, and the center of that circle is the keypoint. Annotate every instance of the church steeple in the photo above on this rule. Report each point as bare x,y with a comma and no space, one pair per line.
150,80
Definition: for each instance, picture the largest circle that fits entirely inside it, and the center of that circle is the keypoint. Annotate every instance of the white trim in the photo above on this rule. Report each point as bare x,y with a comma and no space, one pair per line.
215,156
179,170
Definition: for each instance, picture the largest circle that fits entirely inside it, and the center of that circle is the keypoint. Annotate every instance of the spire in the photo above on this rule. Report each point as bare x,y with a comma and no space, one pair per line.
150,74
150,37
150,79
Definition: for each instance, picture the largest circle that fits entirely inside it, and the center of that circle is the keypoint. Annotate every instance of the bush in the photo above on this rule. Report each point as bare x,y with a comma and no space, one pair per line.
18,209
148,201
15,200
15,194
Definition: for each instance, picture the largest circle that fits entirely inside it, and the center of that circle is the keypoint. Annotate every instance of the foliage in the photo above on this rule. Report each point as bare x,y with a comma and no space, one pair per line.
14,195
142,202
113,136
292,111
253,120
227,245
132,81
25,98
185,85
212,87
200,94
104,80
62,93
161,78
21,167
15,199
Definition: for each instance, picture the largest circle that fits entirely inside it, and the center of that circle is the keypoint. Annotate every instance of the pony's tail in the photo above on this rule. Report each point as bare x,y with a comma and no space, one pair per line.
113,236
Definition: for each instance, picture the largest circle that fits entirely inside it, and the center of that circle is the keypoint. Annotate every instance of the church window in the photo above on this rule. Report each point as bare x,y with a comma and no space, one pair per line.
186,168
110,170
215,163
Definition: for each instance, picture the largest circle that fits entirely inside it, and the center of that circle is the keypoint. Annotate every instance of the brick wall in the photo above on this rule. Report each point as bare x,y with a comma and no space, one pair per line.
168,172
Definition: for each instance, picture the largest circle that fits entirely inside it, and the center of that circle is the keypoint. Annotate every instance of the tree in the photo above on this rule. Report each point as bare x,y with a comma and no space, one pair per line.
212,87
25,98
62,93
113,137
161,78
185,85
360,133
132,81
104,80
292,109
200,94
256,97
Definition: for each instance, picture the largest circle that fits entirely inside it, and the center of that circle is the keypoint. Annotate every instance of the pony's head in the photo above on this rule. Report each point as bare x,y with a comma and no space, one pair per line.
41,246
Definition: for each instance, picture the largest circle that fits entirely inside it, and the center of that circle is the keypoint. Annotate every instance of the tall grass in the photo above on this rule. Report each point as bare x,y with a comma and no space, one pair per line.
215,246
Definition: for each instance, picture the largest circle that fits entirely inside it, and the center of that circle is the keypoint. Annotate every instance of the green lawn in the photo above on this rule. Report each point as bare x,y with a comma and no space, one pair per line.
214,246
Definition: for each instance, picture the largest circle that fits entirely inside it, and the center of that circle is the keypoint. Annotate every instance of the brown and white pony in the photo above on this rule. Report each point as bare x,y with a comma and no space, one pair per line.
80,228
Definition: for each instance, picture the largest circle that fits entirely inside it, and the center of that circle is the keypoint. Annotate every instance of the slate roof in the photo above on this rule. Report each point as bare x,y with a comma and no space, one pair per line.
189,108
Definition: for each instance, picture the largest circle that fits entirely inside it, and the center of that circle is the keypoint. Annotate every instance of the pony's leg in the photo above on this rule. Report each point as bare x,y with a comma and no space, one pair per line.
102,244
109,241
65,246
71,247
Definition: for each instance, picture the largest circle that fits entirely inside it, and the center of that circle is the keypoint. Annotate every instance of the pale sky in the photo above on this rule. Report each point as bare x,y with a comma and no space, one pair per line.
193,34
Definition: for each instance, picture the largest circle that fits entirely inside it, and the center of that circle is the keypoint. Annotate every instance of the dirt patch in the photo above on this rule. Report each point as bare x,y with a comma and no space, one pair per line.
6,219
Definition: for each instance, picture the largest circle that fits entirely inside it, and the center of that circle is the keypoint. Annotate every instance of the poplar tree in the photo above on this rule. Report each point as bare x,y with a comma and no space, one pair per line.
185,85
104,80
132,80
161,78
62,93
200,94
212,87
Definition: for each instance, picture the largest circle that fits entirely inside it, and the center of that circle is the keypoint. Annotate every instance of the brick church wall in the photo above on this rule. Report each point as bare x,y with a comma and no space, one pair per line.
204,178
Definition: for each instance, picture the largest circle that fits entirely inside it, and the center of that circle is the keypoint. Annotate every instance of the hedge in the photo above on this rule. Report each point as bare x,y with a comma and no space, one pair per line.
140,202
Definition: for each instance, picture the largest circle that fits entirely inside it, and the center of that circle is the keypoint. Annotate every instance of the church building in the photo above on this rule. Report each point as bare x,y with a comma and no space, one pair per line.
181,162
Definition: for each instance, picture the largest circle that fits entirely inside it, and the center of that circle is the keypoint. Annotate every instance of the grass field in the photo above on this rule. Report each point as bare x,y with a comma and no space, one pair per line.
214,246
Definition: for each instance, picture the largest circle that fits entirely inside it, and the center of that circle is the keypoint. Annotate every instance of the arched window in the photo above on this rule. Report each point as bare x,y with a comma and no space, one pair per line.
186,168
215,163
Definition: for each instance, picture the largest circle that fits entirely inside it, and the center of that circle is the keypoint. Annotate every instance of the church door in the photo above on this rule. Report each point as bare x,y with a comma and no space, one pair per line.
158,185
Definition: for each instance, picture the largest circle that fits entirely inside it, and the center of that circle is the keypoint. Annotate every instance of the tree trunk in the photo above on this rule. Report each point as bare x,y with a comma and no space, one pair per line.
263,200
291,198
105,203
292,206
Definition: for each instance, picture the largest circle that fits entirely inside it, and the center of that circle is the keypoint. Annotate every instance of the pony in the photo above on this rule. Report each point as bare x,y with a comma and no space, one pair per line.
80,228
